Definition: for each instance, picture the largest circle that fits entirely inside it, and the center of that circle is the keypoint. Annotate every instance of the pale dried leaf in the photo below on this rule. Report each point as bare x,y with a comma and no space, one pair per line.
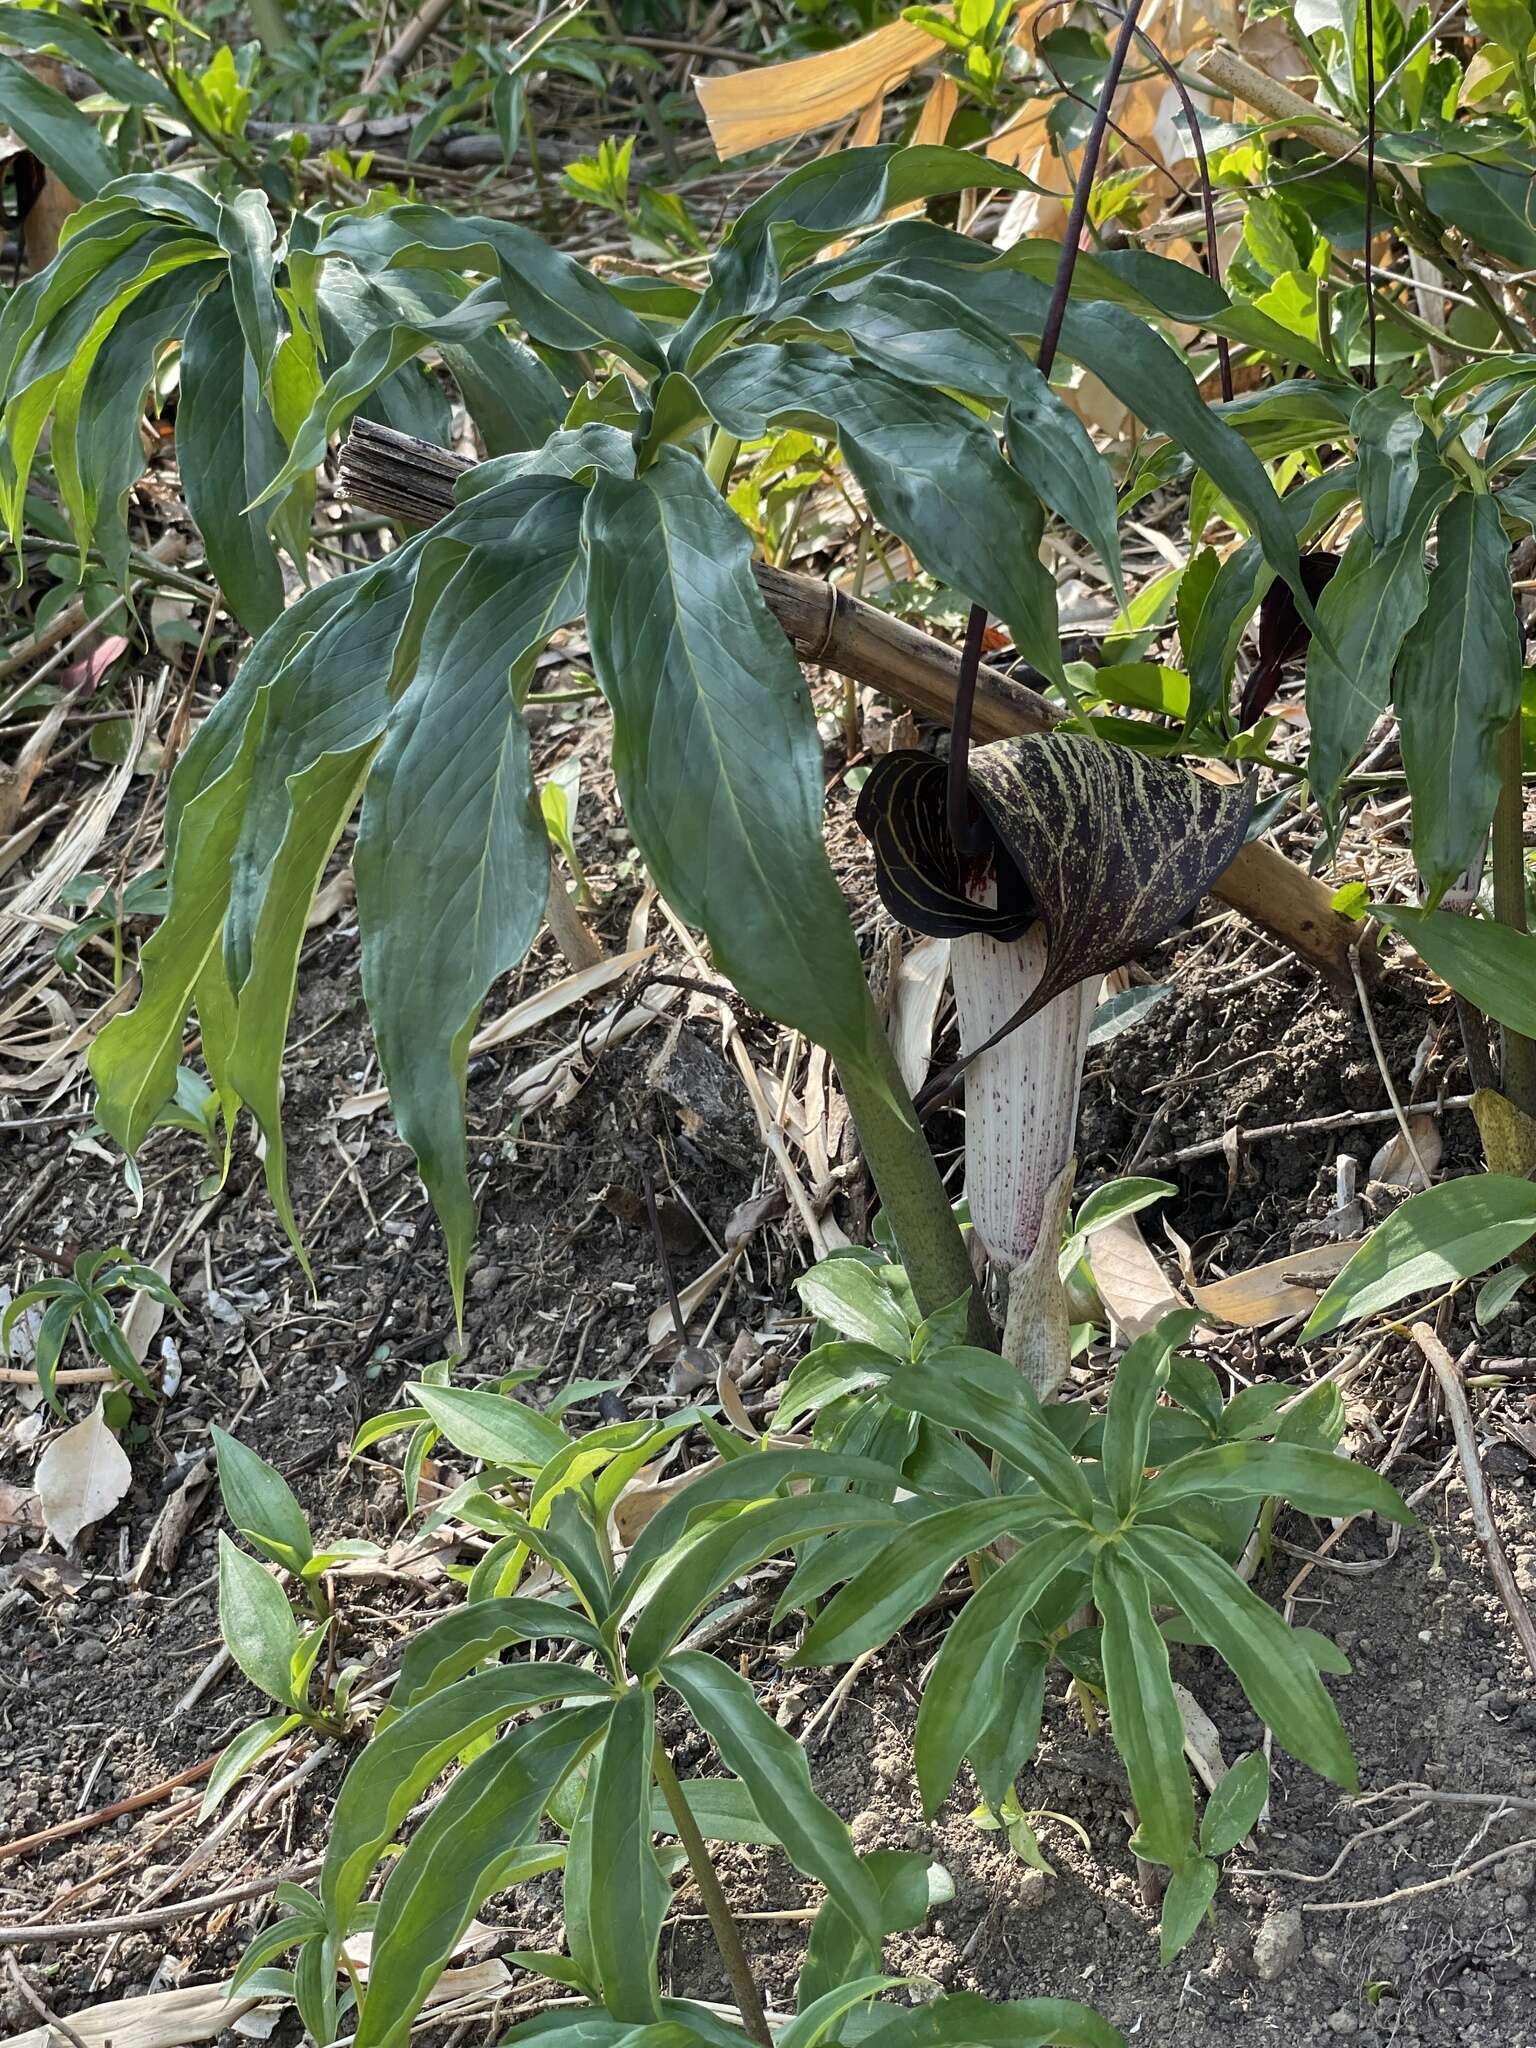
1202,1744
81,1477
1395,1163
165,2019
331,898
1131,1284
915,997
776,102
1272,1292
19,1508
690,1297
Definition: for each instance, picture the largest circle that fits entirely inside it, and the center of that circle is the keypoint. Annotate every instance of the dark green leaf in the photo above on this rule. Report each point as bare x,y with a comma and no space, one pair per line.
910,1887
79,43
1389,435
260,1503
1448,1233
1492,203
681,1585
238,1756
1148,1728
1233,1809
458,1857
398,1765
856,1301
1315,1481
1274,1670
54,129
229,450
978,1393
1185,1904
967,1682
1012,1734
256,1622
1364,616
773,1767
707,697
960,2019
1457,687
1492,965
826,1374
911,1567
1139,1378
928,466
623,1861
492,1427
452,860
248,237
444,1652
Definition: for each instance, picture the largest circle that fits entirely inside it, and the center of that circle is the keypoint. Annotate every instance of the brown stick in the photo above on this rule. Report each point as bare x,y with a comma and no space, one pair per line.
410,39
409,479
1448,1376
84,1822
41,1934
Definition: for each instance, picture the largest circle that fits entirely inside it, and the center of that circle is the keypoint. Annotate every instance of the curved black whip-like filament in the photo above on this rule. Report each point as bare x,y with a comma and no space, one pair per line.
961,825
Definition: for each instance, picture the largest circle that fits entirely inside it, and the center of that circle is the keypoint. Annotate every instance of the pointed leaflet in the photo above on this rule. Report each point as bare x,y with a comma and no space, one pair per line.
134,1060
929,467
1388,436
931,337
715,747
1106,848
961,2019
397,1766
815,204
452,861
1144,1712
1457,688
773,1767
1492,965
966,1684
247,236
458,1857
1364,615
97,443
80,44
55,130
556,300
623,1861
229,449
1270,1663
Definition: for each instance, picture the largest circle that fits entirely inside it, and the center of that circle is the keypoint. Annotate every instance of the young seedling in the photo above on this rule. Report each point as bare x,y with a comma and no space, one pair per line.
1080,855
81,1301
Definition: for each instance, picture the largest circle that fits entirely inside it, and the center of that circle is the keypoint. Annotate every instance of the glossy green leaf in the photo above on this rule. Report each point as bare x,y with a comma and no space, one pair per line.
856,1301
55,130
1139,1378
967,1682
826,1374
1364,616
908,1571
1185,1904
261,1504
707,696
256,1622
928,466
248,237
495,1428
980,1394
1012,1732
773,1767
1388,436
1273,1668
452,862
623,1861
457,1857
456,1644
229,449
1315,1481
1457,687
815,2021
398,1765
1148,1728
961,2019
1448,1233
931,337
681,1585
1233,1809
722,1809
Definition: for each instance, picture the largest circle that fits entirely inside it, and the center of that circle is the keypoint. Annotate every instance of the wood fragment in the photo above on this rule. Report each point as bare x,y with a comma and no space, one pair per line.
1447,1373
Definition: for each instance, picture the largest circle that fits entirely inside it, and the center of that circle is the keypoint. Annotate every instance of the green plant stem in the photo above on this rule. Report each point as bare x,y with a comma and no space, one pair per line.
723,450
727,1936
911,1189
1519,1064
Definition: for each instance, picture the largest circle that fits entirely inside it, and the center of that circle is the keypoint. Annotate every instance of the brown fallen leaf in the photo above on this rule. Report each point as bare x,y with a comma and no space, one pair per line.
19,1508
81,1478
1270,1293
1131,1284
775,102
